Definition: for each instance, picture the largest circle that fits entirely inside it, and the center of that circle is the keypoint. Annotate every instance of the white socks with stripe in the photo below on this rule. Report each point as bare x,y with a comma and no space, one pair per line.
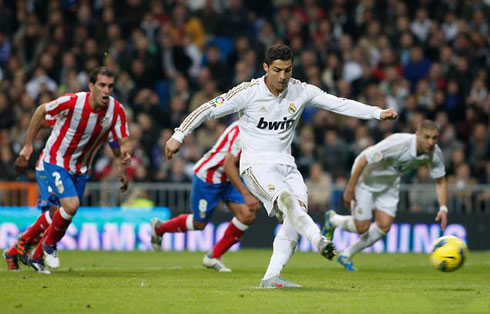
189,222
344,222
365,240
65,215
283,248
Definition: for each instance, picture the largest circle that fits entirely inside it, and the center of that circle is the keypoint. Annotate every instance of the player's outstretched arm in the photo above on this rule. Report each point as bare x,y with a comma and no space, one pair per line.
349,193
37,122
347,107
441,189
232,172
221,106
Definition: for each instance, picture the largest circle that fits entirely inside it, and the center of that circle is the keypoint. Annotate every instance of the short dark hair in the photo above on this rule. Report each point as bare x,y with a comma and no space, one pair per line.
102,71
278,52
428,125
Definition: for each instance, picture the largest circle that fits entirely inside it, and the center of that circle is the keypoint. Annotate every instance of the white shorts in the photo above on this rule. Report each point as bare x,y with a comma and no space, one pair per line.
367,201
268,181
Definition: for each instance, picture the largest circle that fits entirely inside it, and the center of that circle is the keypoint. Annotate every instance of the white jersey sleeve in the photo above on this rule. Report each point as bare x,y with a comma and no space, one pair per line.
437,168
391,147
223,105
343,106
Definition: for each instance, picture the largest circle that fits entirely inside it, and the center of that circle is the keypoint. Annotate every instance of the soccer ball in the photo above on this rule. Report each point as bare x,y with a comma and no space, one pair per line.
448,253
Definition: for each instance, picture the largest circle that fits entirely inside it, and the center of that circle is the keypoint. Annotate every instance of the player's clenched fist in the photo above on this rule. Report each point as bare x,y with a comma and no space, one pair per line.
388,114
171,147
20,164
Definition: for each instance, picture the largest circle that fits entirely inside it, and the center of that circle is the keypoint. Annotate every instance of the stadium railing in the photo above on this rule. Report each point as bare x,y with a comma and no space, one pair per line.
416,198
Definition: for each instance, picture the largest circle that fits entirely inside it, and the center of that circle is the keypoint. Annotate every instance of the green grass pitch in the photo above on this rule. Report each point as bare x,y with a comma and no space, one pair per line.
175,282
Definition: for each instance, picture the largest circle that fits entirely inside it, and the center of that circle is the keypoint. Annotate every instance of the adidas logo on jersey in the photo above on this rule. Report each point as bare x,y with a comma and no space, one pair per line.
275,125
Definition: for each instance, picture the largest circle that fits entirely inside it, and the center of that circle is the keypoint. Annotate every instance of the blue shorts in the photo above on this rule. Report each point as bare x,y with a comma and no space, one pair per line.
63,183
205,197
47,197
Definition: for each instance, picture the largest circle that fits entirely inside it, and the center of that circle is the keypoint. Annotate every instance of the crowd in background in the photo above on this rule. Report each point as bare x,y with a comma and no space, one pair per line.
426,59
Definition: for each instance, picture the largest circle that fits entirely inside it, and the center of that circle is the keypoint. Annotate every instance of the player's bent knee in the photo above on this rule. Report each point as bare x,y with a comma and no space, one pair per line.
285,201
199,225
247,219
362,226
384,228
52,210
71,205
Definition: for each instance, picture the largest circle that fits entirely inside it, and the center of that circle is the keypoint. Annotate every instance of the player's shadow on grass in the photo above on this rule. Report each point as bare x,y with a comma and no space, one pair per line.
301,289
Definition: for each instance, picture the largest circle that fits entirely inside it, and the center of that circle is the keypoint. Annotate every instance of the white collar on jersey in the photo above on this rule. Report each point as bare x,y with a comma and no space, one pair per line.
267,90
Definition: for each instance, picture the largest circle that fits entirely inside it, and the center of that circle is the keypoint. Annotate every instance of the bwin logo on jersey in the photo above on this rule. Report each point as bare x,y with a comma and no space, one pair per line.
275,125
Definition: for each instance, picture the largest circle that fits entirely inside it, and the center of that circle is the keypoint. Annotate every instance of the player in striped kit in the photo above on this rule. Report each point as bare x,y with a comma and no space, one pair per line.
215,178
83,122
270,108
48,203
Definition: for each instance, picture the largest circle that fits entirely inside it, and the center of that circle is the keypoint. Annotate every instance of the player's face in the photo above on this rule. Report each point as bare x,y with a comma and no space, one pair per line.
278,74
426,140
102,89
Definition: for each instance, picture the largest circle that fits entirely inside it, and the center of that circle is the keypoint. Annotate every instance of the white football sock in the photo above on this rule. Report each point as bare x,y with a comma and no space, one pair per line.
344,222
367,239
301,221
283,248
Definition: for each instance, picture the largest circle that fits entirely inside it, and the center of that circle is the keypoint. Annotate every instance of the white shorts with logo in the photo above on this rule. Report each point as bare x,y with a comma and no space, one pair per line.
367,201
268,181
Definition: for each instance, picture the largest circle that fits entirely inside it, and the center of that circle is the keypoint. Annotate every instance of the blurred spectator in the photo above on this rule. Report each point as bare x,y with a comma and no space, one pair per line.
178,172
7,160
138,200
423,197
319,186
426,59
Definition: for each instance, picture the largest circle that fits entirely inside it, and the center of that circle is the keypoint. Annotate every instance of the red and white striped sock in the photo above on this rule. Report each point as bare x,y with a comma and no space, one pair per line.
232,235
57,229
181,223
41,224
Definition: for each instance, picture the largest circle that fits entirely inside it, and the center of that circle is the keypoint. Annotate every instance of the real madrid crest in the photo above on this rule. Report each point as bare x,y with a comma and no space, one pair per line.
271,188
292,108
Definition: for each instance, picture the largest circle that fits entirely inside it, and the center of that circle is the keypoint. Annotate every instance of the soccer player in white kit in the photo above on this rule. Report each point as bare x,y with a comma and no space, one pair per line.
374,185
269,110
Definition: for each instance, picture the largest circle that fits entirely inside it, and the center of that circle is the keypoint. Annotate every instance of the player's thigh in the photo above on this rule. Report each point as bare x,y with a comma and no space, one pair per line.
60,181
235,201
47,198
364,205
265,182
384,220
297,185
204,199
80,183
386,205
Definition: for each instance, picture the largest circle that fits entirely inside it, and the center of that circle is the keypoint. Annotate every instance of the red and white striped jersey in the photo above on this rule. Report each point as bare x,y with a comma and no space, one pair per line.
79,130
210,168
